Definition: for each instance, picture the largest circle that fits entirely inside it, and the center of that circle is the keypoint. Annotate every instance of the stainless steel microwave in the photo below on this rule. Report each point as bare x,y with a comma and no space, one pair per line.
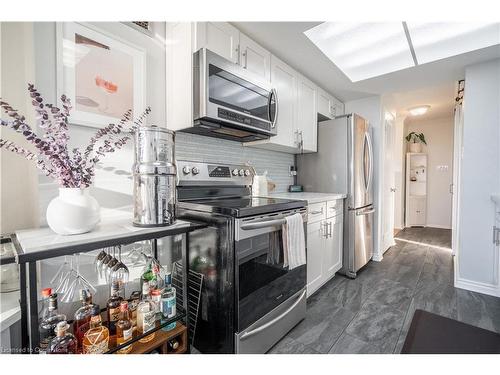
230,102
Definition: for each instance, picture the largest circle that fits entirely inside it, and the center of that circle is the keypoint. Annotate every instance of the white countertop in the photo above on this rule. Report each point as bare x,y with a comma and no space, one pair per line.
310,197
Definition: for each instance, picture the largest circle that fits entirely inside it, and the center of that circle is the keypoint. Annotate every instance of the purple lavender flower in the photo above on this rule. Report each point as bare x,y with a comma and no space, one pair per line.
75,169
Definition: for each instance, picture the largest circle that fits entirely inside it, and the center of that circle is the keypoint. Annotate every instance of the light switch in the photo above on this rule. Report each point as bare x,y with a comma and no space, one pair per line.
442,168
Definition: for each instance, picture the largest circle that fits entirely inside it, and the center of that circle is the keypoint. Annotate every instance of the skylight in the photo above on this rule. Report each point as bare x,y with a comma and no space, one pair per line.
366,50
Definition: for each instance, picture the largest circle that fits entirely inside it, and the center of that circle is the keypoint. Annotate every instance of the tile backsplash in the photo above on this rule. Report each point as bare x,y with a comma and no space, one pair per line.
199,148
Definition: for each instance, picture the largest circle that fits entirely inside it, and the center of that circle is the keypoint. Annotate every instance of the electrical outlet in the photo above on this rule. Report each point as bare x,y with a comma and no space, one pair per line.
293,170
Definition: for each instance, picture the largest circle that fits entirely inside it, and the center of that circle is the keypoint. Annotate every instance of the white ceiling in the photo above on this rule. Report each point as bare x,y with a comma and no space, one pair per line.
287,41
441,99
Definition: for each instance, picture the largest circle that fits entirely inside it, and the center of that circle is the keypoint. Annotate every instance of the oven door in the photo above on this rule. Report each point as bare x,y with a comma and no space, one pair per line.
263,283
229,94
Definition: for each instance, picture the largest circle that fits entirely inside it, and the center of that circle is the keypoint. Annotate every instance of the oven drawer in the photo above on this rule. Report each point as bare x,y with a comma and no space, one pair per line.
268,330
316,212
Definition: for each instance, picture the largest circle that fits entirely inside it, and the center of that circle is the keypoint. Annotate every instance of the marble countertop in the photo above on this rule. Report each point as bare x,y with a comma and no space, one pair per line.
310,197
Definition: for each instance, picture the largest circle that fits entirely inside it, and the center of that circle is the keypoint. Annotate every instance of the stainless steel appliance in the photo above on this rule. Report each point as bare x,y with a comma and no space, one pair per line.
230,102
154,177
344,164
249,301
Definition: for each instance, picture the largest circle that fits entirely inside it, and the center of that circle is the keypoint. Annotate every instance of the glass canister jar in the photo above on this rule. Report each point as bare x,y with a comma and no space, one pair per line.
154,177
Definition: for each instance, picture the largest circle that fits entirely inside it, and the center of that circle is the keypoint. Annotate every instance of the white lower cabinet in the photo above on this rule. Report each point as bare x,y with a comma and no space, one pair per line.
315,248
324,247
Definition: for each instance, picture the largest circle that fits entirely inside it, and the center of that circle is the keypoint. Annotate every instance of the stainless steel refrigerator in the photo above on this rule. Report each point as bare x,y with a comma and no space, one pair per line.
344,164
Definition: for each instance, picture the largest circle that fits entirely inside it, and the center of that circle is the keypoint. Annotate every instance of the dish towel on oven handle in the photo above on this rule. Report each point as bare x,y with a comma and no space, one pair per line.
294,243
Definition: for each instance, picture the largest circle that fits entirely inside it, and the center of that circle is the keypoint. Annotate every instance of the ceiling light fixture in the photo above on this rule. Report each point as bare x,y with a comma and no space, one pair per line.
367,50
418,111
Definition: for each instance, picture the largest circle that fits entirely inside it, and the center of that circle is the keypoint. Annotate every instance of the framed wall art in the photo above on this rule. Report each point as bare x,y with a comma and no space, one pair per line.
103,75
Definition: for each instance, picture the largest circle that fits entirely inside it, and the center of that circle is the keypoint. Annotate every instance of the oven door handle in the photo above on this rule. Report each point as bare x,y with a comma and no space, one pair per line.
278,318
263,224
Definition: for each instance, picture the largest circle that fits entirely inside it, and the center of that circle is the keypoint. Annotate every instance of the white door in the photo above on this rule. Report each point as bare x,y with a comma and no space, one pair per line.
219,37
307,123
255,58
389,186
284,80
333,247
315,248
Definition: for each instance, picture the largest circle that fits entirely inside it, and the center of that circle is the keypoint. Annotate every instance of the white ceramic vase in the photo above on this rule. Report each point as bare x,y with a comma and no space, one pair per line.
416,147
73,211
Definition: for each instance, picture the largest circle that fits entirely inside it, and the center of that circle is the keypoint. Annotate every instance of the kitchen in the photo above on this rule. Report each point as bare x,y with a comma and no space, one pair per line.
280,183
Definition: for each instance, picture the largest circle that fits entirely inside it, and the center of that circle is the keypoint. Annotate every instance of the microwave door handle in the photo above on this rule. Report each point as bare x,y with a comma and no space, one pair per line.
278,318
275,119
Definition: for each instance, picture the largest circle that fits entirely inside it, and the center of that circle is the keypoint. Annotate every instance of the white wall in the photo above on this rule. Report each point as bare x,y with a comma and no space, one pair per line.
439,136
371,109
18,177
477,257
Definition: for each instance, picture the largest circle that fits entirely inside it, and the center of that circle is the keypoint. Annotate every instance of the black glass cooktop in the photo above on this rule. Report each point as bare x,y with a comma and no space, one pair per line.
243,206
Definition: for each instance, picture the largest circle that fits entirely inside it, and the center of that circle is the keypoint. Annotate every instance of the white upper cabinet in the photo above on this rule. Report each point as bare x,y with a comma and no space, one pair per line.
327,105
324,103
284,80
306,125
255,58
219,37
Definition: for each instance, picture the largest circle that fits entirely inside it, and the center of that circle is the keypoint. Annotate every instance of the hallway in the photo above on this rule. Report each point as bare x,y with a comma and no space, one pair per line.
372,313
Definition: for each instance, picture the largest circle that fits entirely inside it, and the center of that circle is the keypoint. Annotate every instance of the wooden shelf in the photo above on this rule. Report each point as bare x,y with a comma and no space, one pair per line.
159,341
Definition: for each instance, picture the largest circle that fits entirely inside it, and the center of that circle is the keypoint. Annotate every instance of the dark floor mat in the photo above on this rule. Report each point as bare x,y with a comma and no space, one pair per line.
434,334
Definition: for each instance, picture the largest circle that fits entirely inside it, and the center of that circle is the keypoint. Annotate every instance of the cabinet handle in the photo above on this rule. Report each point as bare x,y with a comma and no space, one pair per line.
326,229
330,225
317,212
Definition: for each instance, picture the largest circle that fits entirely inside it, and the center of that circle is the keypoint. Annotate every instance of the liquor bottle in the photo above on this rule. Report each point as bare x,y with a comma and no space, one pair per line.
113,307
49,323
124,328
81,322
134,300
64,342
172,344
45,303
146,316
96,339
168,303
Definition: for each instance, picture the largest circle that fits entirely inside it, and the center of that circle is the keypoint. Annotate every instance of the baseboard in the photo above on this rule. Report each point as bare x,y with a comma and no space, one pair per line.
475,286
438,226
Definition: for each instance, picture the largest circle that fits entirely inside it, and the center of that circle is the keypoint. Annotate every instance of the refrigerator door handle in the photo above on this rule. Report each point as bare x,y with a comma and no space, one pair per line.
370,153
365,212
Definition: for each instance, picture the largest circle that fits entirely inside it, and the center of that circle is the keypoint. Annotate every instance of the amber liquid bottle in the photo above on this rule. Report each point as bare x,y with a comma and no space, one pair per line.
124,329
113,307
96,339
81,322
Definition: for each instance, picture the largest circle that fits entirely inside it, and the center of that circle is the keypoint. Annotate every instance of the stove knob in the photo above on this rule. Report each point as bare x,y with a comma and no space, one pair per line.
195,170
242,172
186,170
235,172
247,172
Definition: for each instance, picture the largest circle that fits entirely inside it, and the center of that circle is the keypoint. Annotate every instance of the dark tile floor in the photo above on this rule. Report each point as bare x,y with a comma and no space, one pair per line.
372,313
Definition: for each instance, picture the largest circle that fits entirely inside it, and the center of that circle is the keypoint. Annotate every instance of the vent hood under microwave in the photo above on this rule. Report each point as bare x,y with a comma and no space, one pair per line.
230,102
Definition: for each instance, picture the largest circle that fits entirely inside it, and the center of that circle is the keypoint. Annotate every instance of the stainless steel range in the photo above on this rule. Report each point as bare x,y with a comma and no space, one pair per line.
249,300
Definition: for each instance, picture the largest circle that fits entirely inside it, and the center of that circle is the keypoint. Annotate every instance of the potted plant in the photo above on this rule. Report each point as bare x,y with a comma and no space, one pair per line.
74,211
415,140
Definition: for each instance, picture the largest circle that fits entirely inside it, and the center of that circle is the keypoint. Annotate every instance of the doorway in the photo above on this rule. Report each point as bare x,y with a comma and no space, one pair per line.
420,197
